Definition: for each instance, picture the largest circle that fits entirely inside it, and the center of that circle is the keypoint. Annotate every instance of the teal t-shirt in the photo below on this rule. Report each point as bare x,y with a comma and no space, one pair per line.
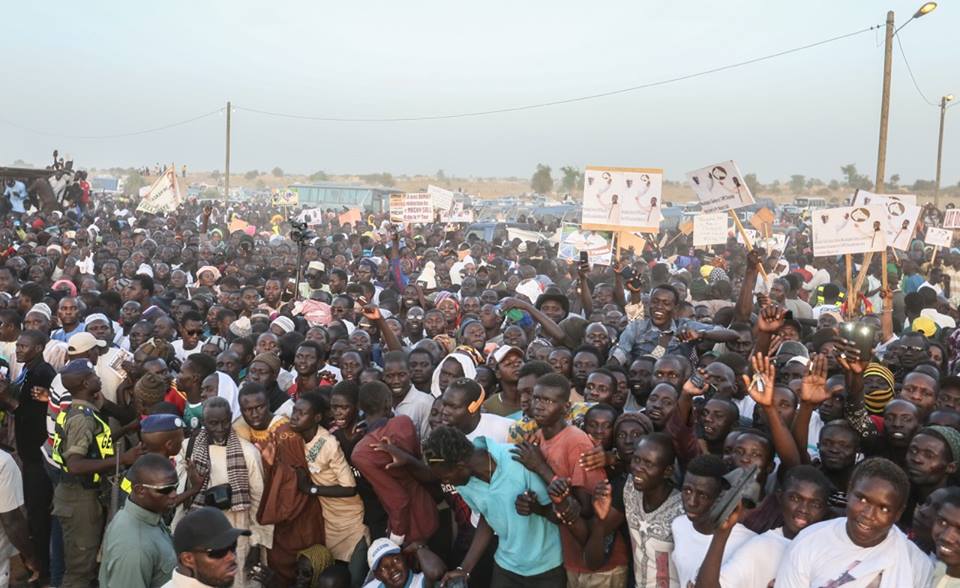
519,536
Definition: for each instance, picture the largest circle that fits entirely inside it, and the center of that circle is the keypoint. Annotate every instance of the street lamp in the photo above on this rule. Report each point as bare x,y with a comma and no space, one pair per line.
943,111
924,10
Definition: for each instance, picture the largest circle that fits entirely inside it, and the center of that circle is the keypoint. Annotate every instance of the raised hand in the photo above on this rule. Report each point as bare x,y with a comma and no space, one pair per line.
848,356
691,389
593,459
688,335
771,319
760,387
400,457
602,499
813,389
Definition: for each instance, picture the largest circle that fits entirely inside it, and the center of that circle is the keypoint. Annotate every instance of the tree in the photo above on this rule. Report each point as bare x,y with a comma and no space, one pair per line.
21,163
572,178
834,185
215,174
318,176
441,177
923,186
252,174
260,184
381,179
133,183
277,172
894,182
813,183
752,184
855,180
542,181
797,183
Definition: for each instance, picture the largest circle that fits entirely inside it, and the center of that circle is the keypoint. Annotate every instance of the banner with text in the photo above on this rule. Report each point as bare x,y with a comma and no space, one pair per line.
417,207
710,229
164,194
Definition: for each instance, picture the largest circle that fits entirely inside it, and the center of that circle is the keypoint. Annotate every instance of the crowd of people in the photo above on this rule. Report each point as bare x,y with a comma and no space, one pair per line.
375,405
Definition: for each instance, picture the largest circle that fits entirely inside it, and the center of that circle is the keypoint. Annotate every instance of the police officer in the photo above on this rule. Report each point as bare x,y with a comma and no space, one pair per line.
83,447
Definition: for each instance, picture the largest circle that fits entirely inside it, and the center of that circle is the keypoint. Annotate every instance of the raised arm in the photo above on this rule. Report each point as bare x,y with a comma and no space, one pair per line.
550,328
586,300
765,375
744,306
813,391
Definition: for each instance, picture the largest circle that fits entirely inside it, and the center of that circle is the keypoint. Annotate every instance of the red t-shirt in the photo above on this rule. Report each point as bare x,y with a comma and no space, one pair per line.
562,453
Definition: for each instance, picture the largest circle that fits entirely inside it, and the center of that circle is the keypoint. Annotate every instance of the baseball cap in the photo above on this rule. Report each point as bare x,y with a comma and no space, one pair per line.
161,423
205,528
790,349
504,350
380,548
83,342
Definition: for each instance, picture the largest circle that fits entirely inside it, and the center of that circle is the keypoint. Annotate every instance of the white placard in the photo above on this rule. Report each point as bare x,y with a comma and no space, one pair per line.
862,198
622,198
442,200
710,229
164,195
902,215
417,207
456,214
849,229
940,237
951,218
720,187
597,244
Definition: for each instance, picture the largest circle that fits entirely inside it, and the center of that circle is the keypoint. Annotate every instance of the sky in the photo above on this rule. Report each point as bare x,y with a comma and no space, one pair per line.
114,68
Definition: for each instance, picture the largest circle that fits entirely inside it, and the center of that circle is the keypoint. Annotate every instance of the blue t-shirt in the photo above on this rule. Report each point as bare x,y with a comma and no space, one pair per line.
520,536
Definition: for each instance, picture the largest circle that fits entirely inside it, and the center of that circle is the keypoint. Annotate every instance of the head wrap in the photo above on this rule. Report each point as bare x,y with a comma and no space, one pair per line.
320,558
876,400
240,327
71,288
948,435
211,269
229,391
466,363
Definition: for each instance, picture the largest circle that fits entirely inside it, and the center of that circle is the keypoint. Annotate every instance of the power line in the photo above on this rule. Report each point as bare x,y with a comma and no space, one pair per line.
563,101
910,71
114,136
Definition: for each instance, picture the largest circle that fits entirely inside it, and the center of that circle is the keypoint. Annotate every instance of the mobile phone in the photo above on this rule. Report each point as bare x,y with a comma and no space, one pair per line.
584,257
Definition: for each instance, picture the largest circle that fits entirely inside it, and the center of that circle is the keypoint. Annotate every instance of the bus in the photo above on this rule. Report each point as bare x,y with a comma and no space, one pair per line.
810,202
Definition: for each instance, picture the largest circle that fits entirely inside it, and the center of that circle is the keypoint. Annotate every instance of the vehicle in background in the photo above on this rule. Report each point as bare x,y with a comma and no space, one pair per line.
810,202
109,185
488,231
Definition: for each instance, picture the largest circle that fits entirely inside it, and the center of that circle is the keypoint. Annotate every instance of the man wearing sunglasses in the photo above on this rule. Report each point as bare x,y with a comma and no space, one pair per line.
206,547
137,547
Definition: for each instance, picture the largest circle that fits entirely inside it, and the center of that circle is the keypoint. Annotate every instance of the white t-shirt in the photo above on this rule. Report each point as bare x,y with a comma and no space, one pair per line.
493,427
755,564
813,434
11,498
182,353
690,547
823,555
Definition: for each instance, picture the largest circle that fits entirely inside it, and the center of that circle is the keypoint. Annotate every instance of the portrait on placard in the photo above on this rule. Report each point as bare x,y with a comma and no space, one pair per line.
720,187
849,229
617,198
939,237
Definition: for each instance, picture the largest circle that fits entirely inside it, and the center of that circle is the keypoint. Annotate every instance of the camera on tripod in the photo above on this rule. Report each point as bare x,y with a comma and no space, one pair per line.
300,233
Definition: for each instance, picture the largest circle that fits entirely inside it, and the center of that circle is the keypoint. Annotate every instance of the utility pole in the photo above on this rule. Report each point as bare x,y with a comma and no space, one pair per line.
943,111
884,105
226,176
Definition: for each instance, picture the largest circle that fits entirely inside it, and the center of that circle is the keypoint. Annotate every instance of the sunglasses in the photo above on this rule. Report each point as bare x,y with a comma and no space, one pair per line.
222,552
164,489
194,333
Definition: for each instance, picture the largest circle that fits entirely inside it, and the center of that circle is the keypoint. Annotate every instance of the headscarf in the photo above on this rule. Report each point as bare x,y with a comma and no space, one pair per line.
228,390
876,400
320,558
466,364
